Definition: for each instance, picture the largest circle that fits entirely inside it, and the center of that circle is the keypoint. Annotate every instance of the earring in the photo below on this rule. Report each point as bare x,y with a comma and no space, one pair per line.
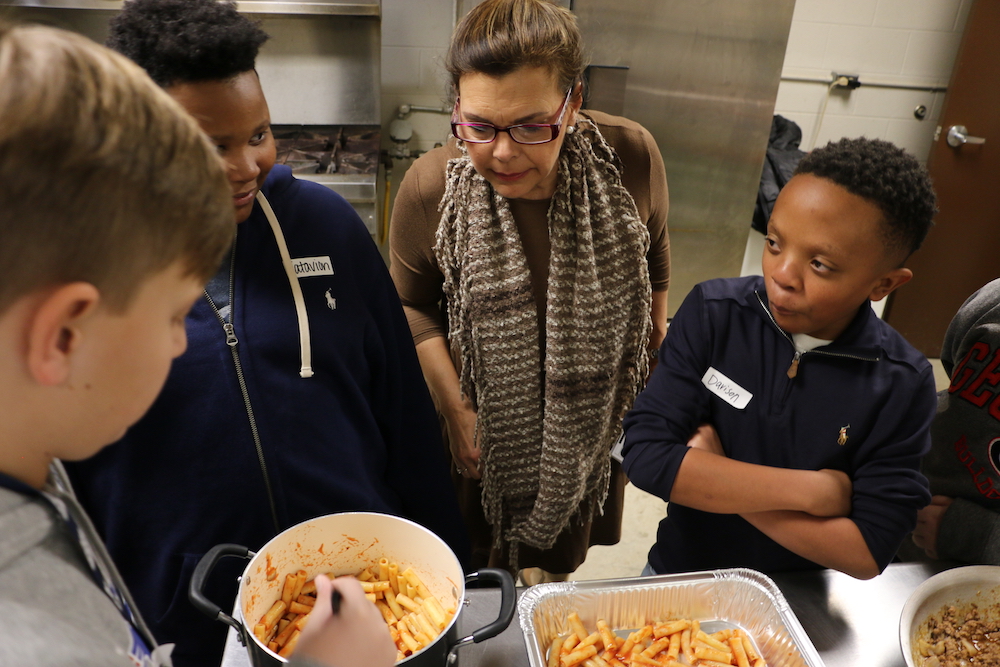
571,129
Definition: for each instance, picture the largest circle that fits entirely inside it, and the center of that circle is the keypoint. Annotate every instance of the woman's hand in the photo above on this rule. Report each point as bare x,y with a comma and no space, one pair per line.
461,425
356,635
925,535
459,417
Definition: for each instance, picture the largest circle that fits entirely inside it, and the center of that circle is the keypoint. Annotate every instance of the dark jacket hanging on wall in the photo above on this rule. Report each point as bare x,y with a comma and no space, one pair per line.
782,157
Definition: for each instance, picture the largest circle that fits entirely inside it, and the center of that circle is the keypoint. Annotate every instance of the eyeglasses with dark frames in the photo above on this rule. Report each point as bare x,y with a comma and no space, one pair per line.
527,133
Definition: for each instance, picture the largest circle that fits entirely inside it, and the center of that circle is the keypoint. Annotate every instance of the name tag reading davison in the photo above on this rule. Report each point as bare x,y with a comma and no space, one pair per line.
312,266
726,389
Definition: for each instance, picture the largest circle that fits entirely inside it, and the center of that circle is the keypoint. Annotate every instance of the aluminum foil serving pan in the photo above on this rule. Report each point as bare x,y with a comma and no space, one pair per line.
720,599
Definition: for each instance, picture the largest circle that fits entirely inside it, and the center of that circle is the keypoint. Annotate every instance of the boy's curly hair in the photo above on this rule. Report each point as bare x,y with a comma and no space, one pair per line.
183,41
885,175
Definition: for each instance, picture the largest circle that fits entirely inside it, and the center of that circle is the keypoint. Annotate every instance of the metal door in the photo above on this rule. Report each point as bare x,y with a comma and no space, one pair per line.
962,252
702,77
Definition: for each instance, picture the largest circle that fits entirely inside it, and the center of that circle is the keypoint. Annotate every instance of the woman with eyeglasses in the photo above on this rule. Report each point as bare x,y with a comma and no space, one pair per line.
532,259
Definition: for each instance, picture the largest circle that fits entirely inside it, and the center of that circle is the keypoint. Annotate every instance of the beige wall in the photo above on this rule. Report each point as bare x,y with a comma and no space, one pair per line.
415,36
906,42
909,42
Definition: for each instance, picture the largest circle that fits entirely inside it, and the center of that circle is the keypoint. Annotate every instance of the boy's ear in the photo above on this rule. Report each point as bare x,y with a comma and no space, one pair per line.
890,282
55,331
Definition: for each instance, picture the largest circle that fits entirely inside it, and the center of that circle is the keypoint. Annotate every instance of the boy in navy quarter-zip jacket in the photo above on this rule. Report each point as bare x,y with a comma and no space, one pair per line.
785,422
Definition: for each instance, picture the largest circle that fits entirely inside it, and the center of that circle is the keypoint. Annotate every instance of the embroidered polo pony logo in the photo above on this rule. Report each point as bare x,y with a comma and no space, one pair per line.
842,438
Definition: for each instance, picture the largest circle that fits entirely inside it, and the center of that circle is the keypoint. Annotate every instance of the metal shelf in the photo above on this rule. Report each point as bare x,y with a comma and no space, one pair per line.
355,188
298,8
358,189
326,7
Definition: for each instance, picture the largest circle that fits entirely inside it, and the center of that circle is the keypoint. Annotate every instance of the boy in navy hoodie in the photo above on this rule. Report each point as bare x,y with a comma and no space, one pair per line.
114,210
300,393
785,422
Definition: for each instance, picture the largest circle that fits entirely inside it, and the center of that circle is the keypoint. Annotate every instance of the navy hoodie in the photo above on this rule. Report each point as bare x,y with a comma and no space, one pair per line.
869,385
361,434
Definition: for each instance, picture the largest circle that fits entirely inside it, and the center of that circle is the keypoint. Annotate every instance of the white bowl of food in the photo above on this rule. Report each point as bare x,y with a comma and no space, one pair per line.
953,619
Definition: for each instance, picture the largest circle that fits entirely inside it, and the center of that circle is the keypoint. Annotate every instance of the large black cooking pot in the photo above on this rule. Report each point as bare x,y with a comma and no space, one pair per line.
346,544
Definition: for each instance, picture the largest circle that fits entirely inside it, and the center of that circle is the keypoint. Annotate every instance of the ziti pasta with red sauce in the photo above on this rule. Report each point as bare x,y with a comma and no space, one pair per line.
413,616
661,644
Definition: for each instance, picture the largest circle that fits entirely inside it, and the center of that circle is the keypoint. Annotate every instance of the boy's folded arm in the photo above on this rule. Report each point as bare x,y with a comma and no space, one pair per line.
717,484
835,543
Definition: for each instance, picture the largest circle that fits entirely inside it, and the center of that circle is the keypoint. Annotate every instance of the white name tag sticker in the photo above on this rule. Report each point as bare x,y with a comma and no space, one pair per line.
726,389
616,452
312,266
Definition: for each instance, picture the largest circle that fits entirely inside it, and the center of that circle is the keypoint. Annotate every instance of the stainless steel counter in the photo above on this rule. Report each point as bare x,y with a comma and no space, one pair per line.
853,622
850,622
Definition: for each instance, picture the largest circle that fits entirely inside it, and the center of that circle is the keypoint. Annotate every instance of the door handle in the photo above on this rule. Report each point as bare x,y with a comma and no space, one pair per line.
958,135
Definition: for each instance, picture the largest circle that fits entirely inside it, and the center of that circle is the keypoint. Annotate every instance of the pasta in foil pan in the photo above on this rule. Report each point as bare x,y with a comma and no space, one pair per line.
734,599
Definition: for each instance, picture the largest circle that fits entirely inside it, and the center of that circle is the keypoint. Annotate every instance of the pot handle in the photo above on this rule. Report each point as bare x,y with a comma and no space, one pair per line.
201,572
508,602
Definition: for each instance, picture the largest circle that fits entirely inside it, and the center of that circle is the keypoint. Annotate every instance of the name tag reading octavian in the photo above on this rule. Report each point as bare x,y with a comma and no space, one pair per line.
312,266
726,389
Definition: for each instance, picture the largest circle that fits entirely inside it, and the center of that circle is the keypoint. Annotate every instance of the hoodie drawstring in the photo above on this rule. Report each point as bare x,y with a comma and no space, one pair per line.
300,303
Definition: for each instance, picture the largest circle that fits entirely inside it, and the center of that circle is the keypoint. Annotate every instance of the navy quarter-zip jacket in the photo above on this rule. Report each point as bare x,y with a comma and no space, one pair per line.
862,404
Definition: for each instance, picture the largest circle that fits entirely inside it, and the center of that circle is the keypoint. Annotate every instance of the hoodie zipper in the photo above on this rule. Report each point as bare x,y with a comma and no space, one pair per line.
232,341
793,369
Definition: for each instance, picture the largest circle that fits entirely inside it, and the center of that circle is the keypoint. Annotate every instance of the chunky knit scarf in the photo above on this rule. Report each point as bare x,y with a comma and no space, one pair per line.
546,426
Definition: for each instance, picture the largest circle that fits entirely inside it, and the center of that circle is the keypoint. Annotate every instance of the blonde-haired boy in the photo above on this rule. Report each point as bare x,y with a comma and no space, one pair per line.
114,210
